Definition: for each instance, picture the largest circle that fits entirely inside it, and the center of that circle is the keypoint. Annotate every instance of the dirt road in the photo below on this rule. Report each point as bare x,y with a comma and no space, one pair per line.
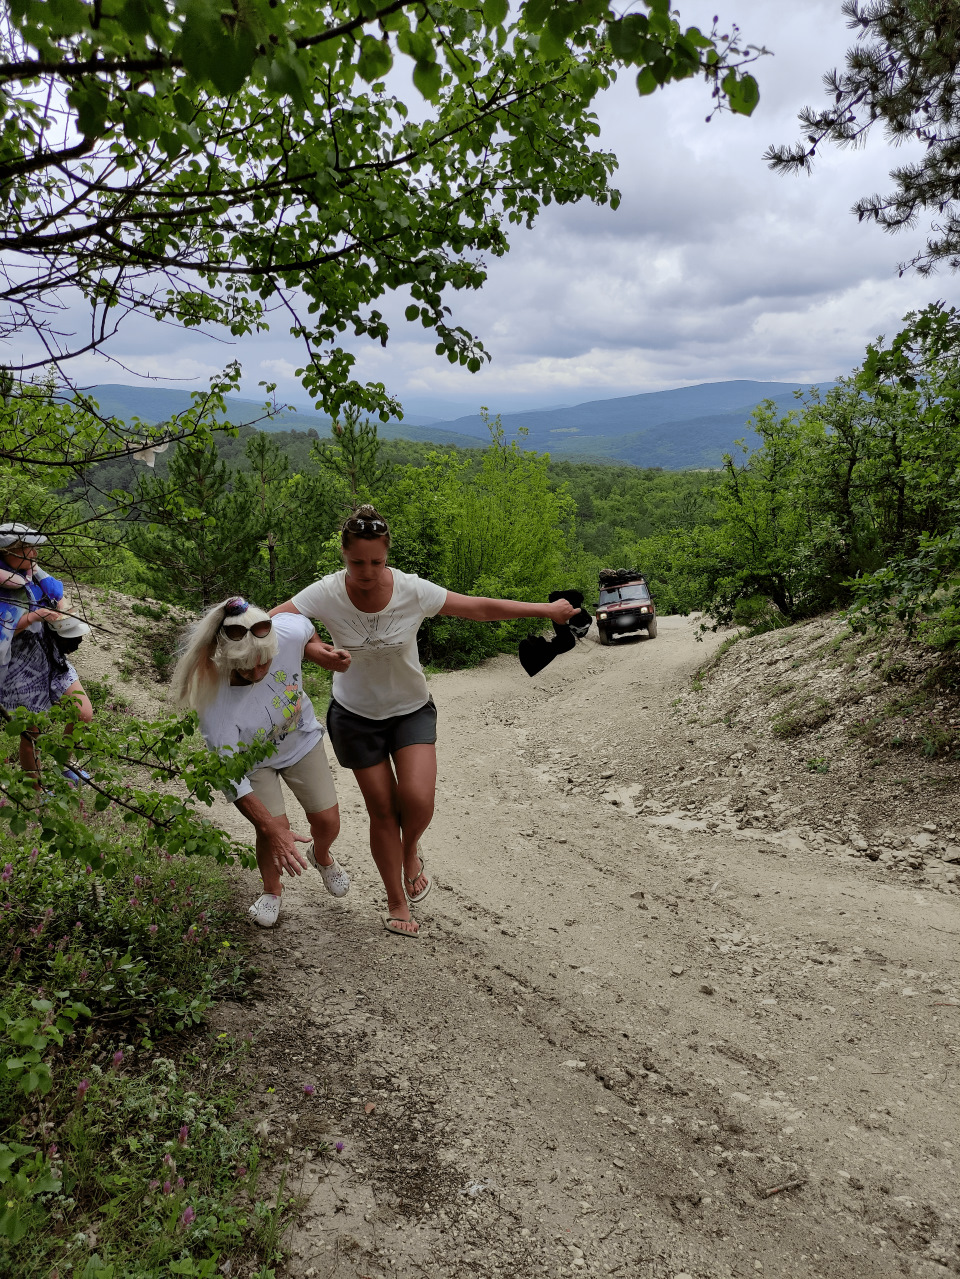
618,1048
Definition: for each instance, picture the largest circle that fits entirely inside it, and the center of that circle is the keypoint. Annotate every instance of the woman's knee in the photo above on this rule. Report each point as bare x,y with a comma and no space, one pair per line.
325,825
416,808
383,808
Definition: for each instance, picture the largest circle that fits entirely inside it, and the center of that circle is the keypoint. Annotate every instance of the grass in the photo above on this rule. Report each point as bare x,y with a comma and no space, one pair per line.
909,721
121,1153
799,717
317,684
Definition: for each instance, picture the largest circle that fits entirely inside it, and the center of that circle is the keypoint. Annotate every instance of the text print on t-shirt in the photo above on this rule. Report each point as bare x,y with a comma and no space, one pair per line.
289,703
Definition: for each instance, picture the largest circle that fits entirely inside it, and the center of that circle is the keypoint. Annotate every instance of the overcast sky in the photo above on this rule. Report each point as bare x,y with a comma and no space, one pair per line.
712,268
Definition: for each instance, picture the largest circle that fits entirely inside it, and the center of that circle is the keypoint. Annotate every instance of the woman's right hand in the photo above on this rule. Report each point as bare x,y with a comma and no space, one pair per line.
37,615
561,611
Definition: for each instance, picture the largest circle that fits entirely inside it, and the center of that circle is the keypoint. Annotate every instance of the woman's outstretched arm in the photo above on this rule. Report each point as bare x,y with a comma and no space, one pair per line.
479,609
287,606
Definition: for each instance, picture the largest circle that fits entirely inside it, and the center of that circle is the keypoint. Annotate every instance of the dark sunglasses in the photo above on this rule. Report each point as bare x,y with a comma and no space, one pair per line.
258,629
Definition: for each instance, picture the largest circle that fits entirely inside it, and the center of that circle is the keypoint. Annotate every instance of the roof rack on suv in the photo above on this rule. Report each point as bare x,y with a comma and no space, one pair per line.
612,577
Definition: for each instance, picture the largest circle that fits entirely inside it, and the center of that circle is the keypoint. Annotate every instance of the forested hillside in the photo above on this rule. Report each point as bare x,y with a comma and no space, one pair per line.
689,426
849,500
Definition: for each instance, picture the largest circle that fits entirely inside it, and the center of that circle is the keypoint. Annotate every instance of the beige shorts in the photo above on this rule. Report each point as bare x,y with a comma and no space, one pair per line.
309,778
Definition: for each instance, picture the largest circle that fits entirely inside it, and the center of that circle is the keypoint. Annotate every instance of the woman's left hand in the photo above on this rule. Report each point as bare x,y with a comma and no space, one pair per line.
325,655
561,611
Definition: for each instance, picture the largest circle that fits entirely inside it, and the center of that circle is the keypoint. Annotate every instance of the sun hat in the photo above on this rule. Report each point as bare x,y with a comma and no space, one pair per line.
19,534
70,627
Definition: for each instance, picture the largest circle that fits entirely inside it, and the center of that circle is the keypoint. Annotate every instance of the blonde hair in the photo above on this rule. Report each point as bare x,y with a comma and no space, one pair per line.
204,659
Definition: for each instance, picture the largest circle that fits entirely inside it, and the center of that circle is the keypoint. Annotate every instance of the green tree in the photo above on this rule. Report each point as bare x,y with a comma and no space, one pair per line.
210,164
902,75
196,537
352,454
263,495
500,529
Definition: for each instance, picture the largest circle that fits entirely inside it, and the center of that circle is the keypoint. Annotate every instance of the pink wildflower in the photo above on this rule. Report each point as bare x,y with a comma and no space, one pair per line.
7,873
308,1090
167,1187
188,1217
82,1088
183,1135
117,1058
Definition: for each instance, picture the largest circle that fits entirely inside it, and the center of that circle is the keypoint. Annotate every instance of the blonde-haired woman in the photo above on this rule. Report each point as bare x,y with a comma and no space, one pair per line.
241,671
382,721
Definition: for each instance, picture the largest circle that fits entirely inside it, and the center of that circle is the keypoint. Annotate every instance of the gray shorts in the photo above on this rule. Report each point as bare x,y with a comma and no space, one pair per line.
359,742
309,778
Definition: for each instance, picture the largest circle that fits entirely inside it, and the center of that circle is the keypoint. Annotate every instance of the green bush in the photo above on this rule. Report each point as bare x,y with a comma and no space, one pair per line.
117,1160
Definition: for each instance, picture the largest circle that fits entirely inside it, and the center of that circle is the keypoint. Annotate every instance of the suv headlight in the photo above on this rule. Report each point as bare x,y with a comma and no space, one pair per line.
602,616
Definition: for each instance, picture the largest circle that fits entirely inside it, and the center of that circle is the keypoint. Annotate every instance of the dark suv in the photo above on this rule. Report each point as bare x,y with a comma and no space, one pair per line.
625,605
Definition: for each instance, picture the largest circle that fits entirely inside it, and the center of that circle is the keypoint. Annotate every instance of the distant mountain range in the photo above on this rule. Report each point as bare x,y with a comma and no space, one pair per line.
692,426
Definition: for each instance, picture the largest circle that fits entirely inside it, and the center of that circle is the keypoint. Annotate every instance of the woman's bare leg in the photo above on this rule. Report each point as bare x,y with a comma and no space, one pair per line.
324,827
378,786
28,756
78,698
416,794
266,863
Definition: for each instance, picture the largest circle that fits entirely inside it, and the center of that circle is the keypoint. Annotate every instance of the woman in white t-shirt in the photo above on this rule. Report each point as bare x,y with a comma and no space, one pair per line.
382,721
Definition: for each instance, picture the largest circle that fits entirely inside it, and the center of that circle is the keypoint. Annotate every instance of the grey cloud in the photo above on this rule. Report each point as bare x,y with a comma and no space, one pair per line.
712,268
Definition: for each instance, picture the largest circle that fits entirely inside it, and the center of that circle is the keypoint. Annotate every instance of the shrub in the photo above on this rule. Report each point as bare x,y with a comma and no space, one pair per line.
112,1154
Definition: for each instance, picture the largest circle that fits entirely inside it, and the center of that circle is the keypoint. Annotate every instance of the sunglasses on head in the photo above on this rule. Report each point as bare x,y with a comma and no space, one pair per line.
258,629
359,525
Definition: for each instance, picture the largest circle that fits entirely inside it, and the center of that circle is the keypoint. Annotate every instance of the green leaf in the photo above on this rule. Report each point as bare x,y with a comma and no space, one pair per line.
428,77
495,11
552,48
375,59
211,51
743,93
535,13
288,75
626,36
12,1225
646,82
412,312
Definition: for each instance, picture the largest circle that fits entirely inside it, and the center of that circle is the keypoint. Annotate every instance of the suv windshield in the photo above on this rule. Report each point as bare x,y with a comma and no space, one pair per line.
637,592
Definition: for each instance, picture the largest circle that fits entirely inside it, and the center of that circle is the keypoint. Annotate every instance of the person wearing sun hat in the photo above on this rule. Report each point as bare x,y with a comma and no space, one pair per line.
34,638
240,670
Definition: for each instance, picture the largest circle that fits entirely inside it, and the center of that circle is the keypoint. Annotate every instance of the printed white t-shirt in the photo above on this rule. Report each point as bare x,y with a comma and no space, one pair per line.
275,710
385,676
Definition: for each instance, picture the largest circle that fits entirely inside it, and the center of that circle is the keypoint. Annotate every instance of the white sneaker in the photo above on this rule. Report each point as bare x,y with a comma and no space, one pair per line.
335,879
265,910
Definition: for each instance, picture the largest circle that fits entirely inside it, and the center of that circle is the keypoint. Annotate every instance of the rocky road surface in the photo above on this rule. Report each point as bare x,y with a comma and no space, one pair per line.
619,1047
